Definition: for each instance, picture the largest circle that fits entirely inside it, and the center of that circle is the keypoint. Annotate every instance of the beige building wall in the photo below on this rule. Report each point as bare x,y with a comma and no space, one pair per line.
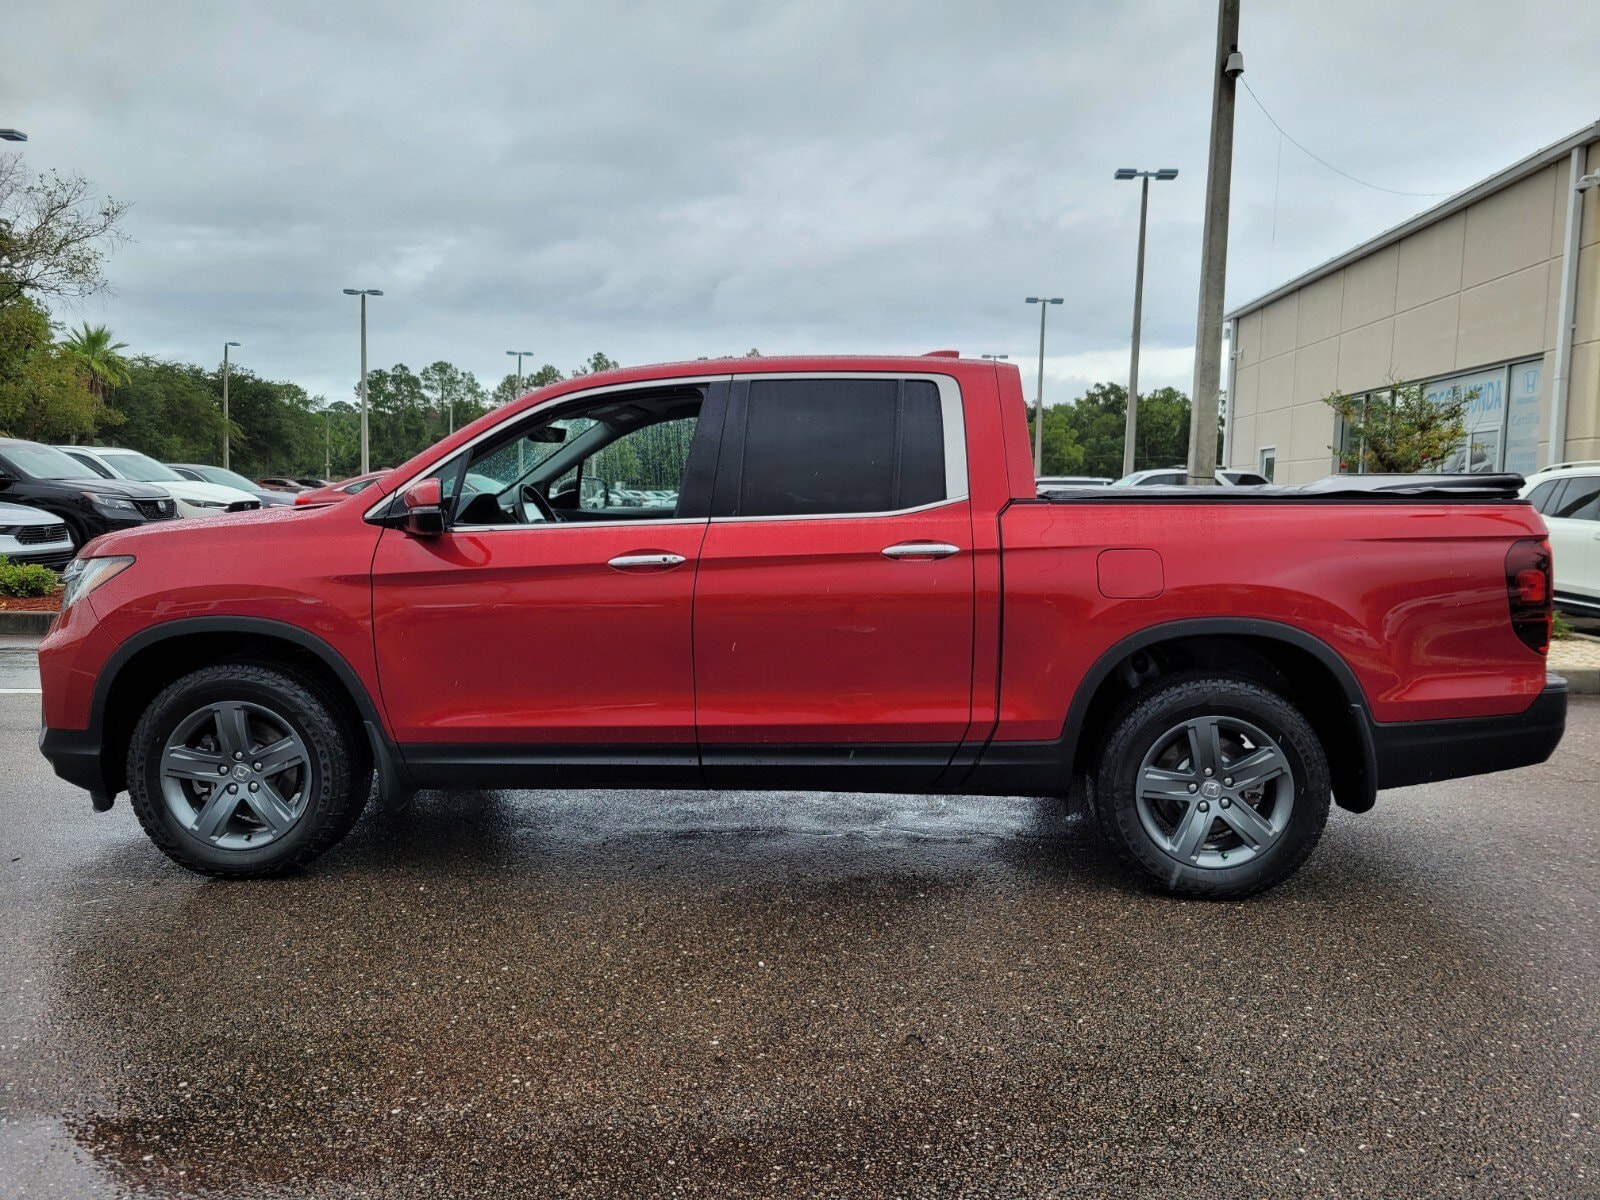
1476,289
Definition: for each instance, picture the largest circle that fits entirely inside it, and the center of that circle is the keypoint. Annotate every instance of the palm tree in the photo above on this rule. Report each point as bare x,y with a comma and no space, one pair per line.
94,350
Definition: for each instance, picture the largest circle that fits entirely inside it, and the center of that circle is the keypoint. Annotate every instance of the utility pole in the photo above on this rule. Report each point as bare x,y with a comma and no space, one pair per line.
1044,303
1228,65
363,293
327,446
225,345
1131,427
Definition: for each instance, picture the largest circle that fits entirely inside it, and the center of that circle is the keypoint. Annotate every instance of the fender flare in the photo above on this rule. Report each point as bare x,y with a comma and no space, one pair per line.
394,786
1358,792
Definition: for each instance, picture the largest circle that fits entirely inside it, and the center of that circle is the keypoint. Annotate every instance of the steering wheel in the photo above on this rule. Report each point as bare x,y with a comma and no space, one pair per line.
532,507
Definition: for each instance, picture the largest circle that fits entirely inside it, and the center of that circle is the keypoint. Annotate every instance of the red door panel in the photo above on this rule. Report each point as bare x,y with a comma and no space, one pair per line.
529,635
805,632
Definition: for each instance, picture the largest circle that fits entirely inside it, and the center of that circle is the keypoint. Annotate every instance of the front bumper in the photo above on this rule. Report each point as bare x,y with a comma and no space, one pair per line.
1413,752
75,755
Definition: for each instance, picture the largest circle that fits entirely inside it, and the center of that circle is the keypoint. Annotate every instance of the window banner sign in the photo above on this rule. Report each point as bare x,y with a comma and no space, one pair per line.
1524,417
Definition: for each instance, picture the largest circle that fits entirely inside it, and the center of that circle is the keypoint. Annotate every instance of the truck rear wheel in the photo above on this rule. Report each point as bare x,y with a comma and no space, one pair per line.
245,770
1211,786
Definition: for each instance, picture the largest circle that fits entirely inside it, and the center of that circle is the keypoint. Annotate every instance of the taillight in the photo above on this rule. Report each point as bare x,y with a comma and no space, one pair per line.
1528,588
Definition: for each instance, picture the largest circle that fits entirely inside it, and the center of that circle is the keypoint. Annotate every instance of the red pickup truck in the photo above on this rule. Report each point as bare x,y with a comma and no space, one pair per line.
827,573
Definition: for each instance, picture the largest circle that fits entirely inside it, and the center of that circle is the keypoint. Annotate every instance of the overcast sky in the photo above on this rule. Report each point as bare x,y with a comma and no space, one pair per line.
662,181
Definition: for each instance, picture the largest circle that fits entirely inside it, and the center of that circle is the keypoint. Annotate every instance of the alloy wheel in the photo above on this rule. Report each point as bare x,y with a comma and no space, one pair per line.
236,774
1215,792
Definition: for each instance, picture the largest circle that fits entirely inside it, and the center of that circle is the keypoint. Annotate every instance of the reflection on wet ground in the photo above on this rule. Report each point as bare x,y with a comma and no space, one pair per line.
796,994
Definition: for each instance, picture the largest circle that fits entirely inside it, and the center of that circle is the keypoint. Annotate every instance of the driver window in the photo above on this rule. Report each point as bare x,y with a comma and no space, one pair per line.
621,459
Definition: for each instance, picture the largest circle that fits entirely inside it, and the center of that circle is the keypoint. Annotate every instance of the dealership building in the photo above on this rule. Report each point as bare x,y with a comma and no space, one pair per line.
1494,294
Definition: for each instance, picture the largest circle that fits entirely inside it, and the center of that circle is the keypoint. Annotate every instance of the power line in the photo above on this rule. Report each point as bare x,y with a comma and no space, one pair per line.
1374,186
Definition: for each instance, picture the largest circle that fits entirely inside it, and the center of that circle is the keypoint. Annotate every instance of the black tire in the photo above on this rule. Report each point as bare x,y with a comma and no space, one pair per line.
1155,722
331,798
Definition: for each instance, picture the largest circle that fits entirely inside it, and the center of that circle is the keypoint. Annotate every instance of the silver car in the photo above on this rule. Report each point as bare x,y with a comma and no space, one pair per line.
32,535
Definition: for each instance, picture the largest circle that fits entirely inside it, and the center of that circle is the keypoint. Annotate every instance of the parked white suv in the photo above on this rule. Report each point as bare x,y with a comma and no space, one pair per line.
32,535
194,499
1568,494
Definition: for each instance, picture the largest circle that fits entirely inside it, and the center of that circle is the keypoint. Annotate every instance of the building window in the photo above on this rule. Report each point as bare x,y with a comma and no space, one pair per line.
1267,460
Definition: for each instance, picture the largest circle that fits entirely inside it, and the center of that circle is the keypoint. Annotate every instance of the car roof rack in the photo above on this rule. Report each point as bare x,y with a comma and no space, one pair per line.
1565,466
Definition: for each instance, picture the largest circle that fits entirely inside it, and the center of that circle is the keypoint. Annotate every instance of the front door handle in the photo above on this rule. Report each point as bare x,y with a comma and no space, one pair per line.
625,561
921,550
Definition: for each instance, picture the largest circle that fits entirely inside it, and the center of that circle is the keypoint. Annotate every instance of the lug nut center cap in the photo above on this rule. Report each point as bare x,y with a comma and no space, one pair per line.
240,771
1211,789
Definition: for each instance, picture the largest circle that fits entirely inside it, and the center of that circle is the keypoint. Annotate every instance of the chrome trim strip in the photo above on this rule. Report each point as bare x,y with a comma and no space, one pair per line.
850,516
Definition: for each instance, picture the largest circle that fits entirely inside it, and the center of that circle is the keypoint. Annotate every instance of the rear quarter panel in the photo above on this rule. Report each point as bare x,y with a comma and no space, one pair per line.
1411,597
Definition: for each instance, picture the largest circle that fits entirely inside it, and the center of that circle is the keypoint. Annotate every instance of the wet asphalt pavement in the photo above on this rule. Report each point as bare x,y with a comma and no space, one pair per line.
629,994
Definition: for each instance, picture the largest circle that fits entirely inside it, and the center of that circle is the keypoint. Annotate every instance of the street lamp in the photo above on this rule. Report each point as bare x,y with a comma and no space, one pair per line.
363,293
519,355
1138,306
12,135
225,456
996,357
1044,303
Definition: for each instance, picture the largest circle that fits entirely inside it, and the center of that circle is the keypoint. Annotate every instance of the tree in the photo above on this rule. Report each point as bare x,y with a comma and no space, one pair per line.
171,412
44,391
597,362
54,233
508,388
1085,437
100,357
1401,431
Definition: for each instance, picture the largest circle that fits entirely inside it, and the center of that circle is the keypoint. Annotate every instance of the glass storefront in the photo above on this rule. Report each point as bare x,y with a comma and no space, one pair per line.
1503,415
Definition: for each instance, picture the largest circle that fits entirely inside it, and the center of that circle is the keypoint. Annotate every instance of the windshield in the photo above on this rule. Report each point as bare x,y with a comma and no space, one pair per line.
225,477
44,462
143,468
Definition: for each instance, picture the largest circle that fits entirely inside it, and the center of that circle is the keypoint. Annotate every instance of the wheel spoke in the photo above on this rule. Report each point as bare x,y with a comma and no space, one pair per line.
1205,745
1257,768
1191,832
233,729
280,756
212,820
269,805
1248,824
1157,783
185,762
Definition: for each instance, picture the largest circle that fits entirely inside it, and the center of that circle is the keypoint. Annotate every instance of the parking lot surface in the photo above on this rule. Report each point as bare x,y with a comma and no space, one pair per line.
628,994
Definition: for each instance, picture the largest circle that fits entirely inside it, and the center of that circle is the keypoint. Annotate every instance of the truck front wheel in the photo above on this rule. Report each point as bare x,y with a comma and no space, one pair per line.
1213,787
244,770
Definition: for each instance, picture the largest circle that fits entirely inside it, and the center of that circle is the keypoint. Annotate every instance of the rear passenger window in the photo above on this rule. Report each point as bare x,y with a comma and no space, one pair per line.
1581,500
1543,496
817,447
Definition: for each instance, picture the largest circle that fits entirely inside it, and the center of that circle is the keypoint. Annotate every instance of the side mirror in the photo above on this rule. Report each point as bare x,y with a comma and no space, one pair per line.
424,508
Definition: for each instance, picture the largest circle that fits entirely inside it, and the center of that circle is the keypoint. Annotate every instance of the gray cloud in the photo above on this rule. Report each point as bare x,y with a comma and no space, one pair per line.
662,181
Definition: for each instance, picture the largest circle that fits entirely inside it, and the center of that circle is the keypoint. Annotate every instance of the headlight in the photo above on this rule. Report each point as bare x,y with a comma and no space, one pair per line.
105,501
83,575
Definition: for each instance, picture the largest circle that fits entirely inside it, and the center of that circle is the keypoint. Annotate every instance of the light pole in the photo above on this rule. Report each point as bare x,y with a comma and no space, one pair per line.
1044,303
1228,64
997,357
12,135
363,293
519,355
327,445
1144,178
225,456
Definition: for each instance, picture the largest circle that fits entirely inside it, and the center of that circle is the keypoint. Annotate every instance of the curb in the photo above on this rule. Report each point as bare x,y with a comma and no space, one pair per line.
25,623
1581,681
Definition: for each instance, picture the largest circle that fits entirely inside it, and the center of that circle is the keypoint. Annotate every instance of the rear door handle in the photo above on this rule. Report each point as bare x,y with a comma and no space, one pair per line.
624,562
921,550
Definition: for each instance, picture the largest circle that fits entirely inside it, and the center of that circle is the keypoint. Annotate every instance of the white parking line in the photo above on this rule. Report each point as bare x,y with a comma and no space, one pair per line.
21,691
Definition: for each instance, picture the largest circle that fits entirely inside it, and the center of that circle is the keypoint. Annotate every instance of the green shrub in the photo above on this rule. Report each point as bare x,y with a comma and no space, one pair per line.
1559,629
26,579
